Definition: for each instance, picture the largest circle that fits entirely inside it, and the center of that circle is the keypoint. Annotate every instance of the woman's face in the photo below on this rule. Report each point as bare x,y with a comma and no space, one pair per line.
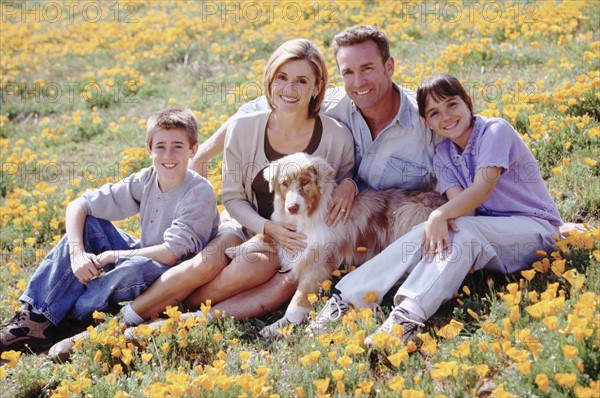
293,86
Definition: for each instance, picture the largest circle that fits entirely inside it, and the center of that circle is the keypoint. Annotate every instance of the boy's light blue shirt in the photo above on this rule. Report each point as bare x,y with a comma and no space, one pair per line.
402,154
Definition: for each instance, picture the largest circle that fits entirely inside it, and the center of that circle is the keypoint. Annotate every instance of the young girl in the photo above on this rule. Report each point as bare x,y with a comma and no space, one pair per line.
498,214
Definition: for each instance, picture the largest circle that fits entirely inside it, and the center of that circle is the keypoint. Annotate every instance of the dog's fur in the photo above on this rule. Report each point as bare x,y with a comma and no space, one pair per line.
303,187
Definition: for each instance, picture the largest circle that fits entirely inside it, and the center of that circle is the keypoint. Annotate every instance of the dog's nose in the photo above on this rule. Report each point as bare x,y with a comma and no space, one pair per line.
293,209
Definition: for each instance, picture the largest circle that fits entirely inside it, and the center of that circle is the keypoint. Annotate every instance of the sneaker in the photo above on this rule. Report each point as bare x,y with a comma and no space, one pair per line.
61,351
27,328
407,332
333,310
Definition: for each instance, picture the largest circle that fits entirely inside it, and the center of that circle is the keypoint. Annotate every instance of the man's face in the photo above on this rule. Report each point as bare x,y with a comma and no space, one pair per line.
366,77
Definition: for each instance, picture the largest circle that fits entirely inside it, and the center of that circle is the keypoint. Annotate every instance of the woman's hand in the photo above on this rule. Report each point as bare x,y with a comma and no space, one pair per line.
341,203
286,236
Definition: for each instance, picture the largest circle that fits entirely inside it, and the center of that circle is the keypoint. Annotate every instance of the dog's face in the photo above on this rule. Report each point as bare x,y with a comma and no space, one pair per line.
298,181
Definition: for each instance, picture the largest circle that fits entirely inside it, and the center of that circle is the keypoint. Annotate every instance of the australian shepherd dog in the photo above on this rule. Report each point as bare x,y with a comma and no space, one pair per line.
303,187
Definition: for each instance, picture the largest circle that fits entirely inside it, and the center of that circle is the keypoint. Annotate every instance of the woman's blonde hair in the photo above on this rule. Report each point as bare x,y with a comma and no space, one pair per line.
294,50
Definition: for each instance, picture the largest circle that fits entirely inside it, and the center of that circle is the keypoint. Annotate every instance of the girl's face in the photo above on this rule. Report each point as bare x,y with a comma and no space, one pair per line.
294,86
451,118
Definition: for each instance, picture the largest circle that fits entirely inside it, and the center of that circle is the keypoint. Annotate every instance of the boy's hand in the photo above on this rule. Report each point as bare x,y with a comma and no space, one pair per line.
436,239
84,266
105,258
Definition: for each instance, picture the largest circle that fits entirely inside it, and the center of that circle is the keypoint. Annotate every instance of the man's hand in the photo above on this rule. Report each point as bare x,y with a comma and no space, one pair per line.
341,203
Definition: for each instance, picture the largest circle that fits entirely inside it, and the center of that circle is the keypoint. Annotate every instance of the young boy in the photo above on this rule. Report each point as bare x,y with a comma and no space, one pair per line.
95,266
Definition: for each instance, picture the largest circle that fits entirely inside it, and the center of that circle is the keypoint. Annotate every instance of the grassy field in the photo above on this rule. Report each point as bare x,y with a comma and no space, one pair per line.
78,79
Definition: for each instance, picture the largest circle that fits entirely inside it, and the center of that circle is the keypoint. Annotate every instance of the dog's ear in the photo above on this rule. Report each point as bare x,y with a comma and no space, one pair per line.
324,171
271,174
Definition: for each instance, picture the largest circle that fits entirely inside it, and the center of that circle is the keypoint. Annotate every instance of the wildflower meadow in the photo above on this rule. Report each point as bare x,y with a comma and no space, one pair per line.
79,78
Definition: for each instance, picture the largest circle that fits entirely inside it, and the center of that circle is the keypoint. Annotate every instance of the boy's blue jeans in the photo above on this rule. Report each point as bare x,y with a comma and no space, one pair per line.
55,291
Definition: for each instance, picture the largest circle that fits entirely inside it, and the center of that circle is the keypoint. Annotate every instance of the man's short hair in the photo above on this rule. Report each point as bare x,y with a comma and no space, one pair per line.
173,118
359,34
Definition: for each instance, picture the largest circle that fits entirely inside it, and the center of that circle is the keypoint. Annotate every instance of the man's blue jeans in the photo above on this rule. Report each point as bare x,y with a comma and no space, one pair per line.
55,291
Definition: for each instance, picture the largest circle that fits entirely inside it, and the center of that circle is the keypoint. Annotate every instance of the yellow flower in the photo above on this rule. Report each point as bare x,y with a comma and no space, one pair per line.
566,379
326,285
528,274
589,162
575,279
400,356
344,361
312,298
371,297
245,355
146,357
524,367
482,370
542,381
396,384
450,330
337,374
12,357
366,386
570,351
557,170
322,385
463,350
413,394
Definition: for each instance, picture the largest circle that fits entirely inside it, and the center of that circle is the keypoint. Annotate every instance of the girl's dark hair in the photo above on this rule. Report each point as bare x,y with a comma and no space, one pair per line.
439,87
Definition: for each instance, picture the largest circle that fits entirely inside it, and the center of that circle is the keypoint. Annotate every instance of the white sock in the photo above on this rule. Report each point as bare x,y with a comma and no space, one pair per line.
130,317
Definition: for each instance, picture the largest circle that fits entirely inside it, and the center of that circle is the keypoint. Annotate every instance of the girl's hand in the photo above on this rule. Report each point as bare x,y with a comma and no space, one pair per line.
84,266
341,203
436,239
286,236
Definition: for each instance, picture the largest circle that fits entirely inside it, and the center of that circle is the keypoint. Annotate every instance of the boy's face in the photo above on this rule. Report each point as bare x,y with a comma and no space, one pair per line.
170,153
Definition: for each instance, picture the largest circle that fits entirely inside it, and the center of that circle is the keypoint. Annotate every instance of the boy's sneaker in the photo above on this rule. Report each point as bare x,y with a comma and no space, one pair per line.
27,328
333,310
407,332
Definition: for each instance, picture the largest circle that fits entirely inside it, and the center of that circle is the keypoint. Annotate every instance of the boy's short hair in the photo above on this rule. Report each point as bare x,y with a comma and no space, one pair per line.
441,86
173,118
294,50
360,34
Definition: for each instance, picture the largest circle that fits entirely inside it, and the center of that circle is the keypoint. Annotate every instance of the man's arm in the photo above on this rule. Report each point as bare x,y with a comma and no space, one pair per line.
209,149
216,142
